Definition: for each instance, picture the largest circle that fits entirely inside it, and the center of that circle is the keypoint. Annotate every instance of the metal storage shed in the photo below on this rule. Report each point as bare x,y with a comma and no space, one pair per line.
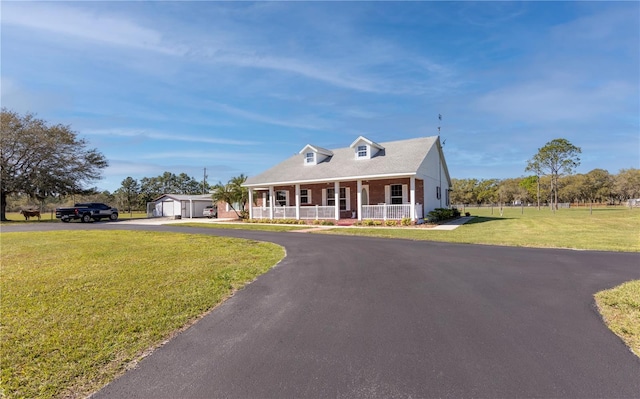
178,205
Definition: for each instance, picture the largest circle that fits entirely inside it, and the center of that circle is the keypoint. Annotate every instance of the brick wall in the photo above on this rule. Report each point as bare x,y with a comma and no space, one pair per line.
376,193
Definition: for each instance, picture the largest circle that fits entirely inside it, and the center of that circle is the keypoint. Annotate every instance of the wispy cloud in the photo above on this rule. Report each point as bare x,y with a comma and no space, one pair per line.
541,102
353,73
308,122
86,25
177,136
207,156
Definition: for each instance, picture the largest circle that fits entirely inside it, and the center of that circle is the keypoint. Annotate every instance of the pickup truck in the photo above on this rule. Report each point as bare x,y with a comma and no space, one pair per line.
87,212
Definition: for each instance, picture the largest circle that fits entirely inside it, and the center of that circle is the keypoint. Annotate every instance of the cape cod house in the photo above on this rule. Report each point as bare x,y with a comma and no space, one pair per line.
367,180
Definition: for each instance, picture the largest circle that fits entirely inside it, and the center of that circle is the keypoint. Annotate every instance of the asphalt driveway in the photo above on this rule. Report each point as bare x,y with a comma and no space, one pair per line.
352,317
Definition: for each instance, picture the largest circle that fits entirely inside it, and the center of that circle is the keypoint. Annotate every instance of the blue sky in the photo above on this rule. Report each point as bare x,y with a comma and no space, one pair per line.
238,87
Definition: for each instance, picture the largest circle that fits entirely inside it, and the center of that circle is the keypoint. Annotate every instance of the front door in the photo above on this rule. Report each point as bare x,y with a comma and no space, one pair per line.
365,195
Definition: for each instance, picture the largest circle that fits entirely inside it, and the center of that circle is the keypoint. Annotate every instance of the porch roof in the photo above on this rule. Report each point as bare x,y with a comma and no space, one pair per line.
399,158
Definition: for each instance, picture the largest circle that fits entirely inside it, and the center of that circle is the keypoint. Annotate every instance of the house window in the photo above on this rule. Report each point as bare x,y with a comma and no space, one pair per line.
305,197
309,157
331,200
396,193
362,151
281,198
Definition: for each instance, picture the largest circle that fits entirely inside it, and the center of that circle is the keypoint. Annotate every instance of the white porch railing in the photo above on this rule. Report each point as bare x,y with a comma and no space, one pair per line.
289,212
387,211
283,212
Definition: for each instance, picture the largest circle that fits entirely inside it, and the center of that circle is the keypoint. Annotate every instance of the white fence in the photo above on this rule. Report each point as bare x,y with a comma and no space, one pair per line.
381,212
289,212
393,212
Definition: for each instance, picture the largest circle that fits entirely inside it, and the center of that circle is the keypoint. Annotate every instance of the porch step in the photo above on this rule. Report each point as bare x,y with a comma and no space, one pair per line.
347,222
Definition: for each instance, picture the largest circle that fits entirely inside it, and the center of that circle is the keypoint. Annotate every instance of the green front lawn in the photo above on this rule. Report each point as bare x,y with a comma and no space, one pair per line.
620,308
77,307
246,226
616,229
16,217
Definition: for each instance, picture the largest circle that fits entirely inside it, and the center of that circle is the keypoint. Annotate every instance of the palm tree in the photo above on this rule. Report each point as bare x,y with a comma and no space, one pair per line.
232,193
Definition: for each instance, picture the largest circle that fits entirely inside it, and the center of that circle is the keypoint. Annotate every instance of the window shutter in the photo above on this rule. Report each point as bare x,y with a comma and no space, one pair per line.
405,192
309,200
264,200
347,195
324,197
387,194
286,198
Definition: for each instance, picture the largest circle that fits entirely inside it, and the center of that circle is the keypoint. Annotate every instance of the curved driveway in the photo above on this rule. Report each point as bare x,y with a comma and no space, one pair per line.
354,317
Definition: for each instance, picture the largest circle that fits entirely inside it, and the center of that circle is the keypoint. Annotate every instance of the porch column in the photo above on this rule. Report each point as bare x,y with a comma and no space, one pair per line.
412,197
359,196
336,197
297,201
270,202
250,203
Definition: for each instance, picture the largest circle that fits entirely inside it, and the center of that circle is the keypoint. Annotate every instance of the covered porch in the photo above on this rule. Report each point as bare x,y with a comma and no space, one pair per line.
383,199
374,212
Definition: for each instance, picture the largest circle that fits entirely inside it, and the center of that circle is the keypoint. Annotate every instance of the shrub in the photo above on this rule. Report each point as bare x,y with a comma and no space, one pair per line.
368,222
440,214
377,223
467,214
390,223
430,219
327,223
316,222
406,222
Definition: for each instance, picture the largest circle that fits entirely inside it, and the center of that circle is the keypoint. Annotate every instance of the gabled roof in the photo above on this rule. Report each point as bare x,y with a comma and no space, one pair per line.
398,158
316,149
366,140
185,197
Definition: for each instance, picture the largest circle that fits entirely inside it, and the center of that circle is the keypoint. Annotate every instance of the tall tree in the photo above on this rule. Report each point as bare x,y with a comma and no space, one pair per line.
463,191
556,157
487,191
598,186
532,185
627,184
510,190
43,160
130,190
168,183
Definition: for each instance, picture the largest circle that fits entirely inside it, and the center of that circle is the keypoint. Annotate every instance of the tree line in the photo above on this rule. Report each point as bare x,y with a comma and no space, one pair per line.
48,165
45,165
596,186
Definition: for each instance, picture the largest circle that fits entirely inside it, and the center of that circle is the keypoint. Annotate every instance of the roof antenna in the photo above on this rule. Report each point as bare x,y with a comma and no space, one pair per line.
439,188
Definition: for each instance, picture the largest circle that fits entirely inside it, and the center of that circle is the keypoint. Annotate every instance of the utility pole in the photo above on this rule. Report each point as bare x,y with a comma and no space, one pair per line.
204,182
439,161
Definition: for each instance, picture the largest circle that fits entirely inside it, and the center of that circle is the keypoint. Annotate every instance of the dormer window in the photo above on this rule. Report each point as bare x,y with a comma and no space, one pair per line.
362,151
309,157
313,155
363,148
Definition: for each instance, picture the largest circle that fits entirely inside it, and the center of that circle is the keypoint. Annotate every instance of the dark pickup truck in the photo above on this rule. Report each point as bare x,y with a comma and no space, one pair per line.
87,212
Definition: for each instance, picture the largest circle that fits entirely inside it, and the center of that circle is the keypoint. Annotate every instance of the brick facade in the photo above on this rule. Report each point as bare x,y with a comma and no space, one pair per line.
376,193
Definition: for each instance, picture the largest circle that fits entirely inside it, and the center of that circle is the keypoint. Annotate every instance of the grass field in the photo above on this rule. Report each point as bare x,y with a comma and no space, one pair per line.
620,308
245,226
615,229
16,217
73,319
